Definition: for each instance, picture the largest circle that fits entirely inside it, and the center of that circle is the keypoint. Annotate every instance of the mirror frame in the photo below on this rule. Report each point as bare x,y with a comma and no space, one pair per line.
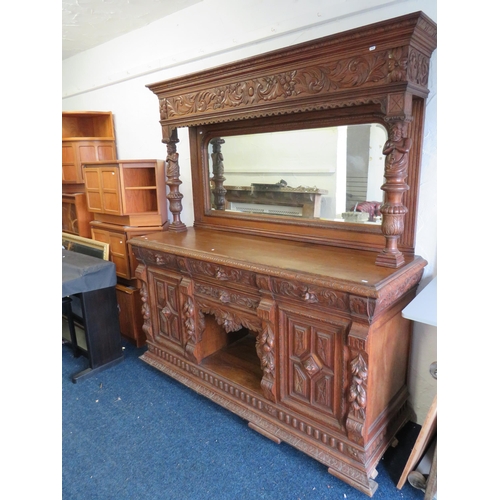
373,73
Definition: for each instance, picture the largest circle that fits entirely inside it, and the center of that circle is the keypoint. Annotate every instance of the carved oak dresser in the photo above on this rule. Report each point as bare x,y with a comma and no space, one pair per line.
294,322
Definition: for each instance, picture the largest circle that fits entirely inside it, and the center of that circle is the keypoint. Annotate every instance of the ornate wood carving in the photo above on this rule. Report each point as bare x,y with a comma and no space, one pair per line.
328,374
218,178
167,309
396,149
226,296
378,71
319,75
173,181
220,272
357,399
309,294
231,321
191,328
266,347
141,274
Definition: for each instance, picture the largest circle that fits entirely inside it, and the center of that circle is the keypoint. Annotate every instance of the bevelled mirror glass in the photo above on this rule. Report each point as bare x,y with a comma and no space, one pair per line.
328,173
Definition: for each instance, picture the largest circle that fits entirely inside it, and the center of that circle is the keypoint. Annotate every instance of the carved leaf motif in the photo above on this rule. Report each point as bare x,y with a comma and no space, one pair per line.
342,74
357,389
397,65
188,316
280,85
265,350
226,297
229,321
359,71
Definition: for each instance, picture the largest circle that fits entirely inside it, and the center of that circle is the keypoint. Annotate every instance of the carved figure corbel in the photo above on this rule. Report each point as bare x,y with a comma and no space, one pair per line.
396,149
218,178
173,182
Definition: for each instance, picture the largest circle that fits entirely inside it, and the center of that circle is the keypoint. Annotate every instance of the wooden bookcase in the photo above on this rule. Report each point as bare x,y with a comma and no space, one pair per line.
86,136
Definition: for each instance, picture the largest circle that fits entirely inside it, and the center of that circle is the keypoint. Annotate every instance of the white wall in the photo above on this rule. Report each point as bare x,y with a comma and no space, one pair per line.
112,77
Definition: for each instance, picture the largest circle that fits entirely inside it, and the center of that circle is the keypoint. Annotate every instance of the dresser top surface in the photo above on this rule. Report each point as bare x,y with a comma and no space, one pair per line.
277,256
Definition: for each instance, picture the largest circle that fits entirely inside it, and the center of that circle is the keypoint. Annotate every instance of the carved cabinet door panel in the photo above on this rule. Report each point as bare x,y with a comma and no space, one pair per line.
312,364
166,310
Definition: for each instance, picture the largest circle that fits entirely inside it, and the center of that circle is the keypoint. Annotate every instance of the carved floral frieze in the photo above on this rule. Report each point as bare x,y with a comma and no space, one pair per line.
221,272
307,293
226,296
231,321
322,78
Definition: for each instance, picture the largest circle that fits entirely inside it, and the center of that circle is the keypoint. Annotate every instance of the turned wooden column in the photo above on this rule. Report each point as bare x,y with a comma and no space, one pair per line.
173,182
218,178
393,211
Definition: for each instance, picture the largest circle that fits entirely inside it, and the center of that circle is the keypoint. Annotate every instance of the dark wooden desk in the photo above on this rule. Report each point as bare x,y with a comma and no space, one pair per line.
92,281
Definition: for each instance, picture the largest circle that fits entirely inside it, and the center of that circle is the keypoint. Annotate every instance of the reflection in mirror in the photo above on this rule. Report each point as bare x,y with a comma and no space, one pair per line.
331,173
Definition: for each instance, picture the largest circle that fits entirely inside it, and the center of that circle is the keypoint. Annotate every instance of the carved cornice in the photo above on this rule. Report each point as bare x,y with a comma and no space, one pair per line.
326,85
333,71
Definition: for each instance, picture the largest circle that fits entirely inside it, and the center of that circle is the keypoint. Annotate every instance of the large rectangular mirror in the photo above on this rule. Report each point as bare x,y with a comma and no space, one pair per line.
328,173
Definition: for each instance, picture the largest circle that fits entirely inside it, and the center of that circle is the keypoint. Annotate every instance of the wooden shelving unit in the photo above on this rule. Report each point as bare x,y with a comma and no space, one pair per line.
86,136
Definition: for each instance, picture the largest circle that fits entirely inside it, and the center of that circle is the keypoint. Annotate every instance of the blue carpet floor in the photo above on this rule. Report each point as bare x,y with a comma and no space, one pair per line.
131,432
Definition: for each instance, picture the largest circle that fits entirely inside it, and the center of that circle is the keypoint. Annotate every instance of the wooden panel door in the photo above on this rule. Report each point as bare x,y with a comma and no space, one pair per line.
93,189
166,312
77,153
70,168
312,364
110,190
102,185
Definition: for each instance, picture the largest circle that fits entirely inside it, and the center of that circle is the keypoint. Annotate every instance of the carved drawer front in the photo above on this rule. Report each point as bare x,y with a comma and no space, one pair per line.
166,312
312,365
